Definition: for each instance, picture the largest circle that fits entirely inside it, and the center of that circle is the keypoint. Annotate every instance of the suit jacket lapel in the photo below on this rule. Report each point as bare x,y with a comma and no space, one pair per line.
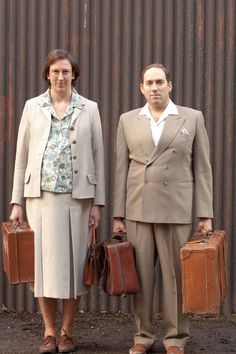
171,128
143,130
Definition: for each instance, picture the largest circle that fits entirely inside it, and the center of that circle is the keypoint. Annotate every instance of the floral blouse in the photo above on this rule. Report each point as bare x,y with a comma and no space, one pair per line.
56,171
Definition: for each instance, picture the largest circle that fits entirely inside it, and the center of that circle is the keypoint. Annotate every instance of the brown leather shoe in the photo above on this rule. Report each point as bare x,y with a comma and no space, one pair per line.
138,348
174,350
48,345
66,344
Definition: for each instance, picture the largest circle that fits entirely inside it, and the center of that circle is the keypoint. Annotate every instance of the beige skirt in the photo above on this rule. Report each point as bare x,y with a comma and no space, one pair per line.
60,224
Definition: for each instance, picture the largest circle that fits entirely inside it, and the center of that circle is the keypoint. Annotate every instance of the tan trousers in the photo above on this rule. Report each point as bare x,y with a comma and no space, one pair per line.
165,240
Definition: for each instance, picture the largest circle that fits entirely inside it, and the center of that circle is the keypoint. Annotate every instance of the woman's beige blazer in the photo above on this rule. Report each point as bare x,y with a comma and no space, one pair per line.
86,148
161,184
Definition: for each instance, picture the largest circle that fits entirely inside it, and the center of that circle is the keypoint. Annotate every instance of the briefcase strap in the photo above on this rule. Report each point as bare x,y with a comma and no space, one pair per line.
92,235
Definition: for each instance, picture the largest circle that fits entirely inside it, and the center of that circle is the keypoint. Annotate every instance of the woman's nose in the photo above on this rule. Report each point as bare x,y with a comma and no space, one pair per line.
60,76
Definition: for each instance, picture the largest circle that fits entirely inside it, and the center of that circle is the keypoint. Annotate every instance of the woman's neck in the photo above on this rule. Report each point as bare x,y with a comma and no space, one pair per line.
60,97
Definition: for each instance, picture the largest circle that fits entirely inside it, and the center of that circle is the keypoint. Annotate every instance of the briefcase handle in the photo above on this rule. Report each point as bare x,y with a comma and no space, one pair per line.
116,238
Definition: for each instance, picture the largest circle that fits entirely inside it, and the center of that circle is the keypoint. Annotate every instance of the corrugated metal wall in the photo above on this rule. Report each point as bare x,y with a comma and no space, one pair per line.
113,40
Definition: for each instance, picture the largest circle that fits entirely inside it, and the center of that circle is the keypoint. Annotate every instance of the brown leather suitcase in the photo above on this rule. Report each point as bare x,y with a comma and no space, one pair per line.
120,277
204,273
18,253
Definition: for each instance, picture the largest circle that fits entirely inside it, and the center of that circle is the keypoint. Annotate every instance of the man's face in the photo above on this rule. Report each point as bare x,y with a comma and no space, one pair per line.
155,88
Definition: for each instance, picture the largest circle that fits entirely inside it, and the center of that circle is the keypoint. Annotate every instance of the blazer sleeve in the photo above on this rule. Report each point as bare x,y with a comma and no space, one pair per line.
202,171
21,159
98,157
121,171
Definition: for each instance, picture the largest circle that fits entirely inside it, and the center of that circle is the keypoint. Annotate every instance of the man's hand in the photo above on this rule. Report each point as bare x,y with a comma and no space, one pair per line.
16,216
204,225
118,227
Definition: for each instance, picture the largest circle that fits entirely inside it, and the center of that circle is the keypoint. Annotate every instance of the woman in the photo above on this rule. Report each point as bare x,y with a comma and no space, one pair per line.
59,169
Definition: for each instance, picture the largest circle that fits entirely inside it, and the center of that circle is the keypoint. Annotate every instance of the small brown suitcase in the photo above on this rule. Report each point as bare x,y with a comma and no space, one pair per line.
204,273
18,253
120,277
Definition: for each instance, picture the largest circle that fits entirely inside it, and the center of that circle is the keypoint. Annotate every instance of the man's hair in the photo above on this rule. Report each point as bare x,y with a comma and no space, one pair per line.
60,54
159,66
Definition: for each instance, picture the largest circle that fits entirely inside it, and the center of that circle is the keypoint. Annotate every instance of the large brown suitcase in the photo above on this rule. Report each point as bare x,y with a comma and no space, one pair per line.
204,273
18,253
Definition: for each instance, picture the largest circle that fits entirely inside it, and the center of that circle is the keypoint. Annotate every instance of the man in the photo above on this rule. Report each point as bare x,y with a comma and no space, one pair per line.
162,170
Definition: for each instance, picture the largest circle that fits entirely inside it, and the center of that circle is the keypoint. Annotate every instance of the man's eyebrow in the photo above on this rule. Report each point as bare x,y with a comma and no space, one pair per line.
157,80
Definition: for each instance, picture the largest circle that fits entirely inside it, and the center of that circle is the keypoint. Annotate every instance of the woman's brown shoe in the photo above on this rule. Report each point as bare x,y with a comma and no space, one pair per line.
66,344
48,345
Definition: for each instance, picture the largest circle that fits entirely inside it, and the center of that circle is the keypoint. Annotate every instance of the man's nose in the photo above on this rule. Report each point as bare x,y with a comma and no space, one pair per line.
155,87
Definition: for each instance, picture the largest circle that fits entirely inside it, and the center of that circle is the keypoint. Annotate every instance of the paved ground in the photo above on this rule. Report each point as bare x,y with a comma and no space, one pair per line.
112,334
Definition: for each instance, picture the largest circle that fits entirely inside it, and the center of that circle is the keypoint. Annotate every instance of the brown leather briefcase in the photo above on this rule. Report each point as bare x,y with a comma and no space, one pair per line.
204,273
119,277
18,253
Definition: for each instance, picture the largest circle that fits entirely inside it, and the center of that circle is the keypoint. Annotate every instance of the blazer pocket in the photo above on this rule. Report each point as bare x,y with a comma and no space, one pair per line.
27,177
92,179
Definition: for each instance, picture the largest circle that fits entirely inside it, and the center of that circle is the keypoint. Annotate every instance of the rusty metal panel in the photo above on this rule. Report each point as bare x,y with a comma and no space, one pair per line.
113,41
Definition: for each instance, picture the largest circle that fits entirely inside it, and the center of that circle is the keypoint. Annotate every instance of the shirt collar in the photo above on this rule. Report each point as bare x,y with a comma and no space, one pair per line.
171,109
76,99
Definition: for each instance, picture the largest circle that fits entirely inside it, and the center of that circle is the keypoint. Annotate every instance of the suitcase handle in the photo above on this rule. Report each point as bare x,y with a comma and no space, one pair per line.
18,228
198,237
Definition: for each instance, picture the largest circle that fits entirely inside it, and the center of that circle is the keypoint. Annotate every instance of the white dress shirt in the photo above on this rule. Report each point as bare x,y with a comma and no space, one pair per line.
157,126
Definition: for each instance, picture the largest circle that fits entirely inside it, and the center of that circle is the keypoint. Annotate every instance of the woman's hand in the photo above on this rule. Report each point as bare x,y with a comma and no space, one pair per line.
94,216
16,216
118,227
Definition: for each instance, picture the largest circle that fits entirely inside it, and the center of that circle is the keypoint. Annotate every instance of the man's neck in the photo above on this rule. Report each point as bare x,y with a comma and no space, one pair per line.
156,112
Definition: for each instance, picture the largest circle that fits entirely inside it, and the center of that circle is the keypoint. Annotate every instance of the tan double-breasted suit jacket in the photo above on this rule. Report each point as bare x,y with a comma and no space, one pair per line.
161,184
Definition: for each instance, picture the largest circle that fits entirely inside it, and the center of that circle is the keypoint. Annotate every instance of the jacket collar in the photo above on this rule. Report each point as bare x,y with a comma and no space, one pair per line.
76,105
172,125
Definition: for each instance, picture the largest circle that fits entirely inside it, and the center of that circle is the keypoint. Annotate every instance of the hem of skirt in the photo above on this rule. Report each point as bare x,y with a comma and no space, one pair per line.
61,297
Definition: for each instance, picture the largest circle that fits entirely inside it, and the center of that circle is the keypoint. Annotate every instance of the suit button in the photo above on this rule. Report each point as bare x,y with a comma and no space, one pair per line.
174,151
74,157
164,183
166,167
72,128
74,141
75,171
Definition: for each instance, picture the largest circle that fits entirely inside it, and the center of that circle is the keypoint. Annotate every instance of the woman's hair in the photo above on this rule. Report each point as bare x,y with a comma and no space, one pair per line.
159,66
59,54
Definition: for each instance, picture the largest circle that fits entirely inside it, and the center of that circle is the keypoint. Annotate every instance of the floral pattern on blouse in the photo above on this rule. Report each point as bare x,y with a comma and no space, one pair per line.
56,171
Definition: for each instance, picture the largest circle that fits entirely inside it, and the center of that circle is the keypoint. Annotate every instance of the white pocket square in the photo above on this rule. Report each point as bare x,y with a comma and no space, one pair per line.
184,132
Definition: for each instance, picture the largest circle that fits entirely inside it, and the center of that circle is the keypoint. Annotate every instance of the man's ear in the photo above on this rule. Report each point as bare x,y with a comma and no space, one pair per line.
170,85
141,88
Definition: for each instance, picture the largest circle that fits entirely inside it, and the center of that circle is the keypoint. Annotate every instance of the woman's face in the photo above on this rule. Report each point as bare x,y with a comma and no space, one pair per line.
60,76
